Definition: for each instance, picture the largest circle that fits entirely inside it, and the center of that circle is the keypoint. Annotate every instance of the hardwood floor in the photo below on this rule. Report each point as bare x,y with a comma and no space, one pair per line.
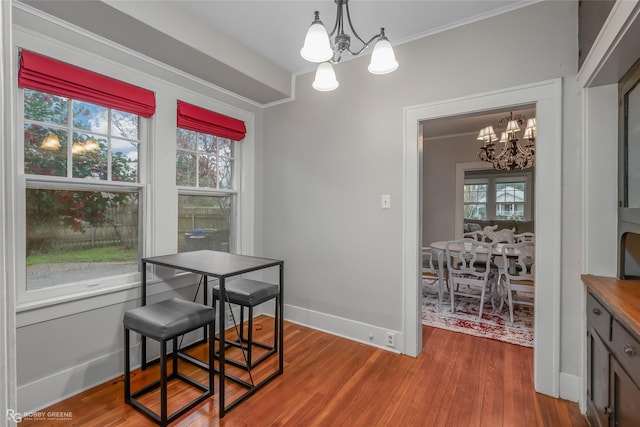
458,380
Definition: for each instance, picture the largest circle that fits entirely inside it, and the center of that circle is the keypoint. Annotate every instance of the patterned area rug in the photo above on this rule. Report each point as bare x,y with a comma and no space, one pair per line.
494,325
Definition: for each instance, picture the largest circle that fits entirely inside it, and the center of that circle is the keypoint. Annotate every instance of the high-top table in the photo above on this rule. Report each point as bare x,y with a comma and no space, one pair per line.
220,265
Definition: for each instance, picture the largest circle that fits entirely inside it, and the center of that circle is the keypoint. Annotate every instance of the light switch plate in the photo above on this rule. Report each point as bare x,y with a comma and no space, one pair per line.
385,201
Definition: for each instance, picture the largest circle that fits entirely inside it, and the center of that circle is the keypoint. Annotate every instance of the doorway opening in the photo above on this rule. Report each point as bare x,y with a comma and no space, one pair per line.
460,192
547,97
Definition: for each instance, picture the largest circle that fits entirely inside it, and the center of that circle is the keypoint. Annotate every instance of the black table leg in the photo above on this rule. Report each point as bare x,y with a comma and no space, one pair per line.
221,346
143,339
281,326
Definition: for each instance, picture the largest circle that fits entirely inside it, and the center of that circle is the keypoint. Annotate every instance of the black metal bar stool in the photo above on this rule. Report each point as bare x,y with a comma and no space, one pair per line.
166,321
248,294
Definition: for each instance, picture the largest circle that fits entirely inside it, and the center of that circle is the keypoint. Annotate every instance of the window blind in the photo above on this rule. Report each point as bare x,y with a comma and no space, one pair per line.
60,78
202,120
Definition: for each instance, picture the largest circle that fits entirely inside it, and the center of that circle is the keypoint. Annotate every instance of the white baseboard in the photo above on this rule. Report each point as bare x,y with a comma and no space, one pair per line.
346,328
58,386
569,387
61,385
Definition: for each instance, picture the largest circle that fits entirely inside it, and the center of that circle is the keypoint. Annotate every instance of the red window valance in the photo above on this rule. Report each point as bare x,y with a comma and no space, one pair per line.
201,120
59,78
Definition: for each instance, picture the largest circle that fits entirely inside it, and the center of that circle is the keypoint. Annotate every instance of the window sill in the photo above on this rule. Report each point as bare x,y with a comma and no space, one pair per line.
32,312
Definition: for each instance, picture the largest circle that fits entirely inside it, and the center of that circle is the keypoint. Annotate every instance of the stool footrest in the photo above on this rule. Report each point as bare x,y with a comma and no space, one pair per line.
194,361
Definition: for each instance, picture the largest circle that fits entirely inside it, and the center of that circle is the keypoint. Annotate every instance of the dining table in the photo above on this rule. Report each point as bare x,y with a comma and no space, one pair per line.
496,251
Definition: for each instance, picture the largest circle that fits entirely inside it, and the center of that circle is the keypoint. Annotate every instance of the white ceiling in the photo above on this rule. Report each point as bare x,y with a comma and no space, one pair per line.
250,48
277,28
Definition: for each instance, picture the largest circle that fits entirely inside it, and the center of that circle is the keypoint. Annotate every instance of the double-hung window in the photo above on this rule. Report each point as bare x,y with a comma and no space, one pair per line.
498,195
206,178
475,199
510,199
83,193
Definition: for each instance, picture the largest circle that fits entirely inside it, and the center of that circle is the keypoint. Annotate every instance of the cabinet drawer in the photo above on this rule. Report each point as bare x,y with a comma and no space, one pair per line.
626,349
598,318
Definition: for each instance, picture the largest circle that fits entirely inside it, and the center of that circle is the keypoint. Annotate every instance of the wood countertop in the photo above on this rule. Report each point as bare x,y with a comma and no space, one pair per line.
622,297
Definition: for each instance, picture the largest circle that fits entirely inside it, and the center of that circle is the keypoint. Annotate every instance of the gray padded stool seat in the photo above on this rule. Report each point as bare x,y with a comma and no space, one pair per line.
164,321
248,294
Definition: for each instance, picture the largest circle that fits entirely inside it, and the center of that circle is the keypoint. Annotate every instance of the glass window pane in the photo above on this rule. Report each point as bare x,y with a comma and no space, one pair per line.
76,236
204,222
207,143
632,156
124,160
89,162
186,168
45,159
90,117
125,125
475,211
207,171
224,173
225,147
186,139
45,108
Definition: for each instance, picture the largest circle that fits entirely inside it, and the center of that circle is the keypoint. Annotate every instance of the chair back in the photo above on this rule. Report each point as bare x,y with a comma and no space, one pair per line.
501,236
468,261
432,261
475,235
520,257
525,237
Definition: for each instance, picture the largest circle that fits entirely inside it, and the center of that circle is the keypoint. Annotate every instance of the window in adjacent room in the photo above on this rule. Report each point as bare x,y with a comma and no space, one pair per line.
475,200
510,200
498,195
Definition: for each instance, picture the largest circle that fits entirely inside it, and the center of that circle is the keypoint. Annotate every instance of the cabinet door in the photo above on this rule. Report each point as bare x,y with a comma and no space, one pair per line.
597,381
625,396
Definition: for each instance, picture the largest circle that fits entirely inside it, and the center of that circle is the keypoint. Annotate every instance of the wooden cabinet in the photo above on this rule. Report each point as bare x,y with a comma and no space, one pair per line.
598,327
613,364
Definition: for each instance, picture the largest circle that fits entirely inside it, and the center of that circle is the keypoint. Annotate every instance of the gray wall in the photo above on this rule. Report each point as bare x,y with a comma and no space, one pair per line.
439,182
329,156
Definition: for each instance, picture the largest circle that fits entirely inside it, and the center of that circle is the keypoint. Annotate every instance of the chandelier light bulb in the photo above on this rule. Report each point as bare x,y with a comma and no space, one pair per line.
77,148
50,142
383,60
530,130
317,47
91,145
325,80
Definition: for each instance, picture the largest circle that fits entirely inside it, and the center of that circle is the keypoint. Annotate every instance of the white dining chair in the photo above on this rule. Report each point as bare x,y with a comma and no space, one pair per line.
434,269
469,266
517,275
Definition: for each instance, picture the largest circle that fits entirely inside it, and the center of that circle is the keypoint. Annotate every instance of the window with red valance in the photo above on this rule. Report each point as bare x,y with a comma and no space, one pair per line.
59,78
206,121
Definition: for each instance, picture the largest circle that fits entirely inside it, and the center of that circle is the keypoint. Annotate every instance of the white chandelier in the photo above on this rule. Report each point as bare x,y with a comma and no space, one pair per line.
317,48
512,155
